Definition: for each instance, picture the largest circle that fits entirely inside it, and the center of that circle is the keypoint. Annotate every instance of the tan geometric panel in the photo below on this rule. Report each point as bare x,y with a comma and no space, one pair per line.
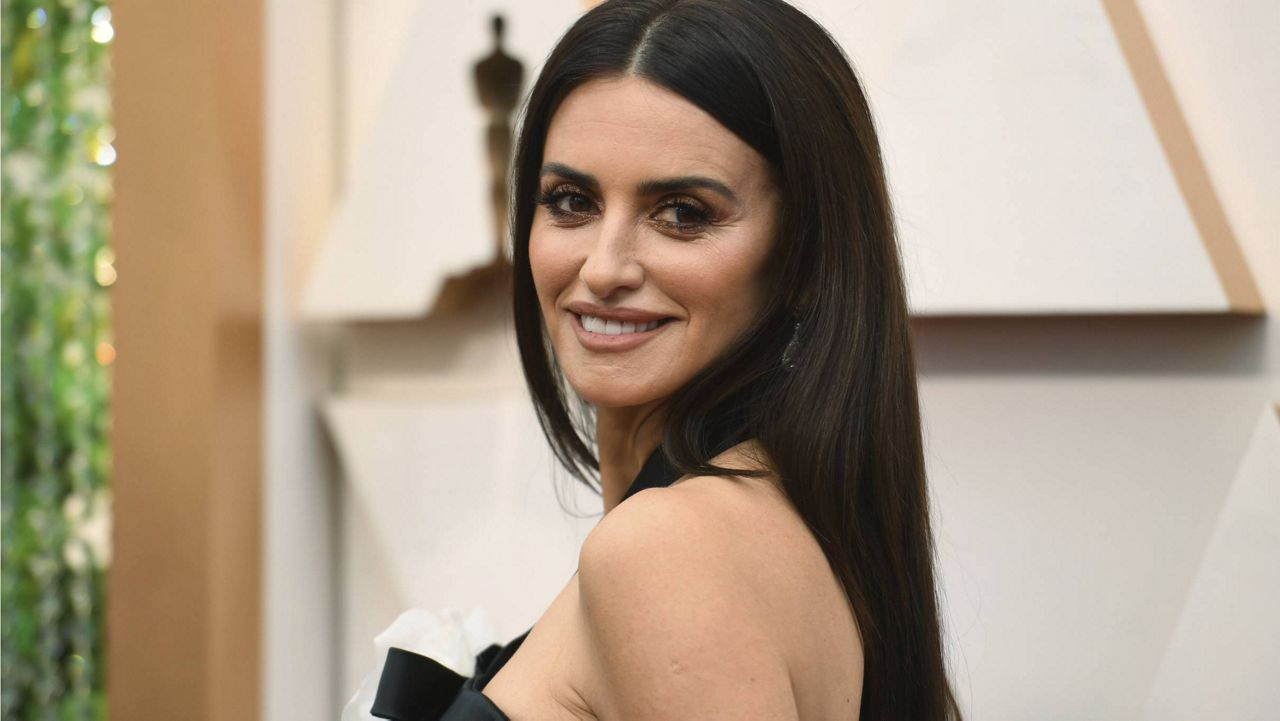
1028,174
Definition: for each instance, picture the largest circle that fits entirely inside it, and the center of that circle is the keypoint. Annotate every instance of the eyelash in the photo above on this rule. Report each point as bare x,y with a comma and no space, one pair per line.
551,200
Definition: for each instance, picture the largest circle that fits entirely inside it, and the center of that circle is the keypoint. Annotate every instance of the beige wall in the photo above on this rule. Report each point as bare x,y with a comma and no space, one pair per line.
183,619
1078,464
302,157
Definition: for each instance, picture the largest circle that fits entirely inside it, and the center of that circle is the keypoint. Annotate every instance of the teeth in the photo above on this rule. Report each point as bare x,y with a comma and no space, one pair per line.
612,327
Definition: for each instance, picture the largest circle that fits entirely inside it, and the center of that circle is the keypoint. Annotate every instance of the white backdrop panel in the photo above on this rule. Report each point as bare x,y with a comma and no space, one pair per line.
1223,660
457,507
1026,173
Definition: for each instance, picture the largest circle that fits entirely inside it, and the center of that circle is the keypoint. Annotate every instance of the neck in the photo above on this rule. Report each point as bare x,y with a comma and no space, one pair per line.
625,437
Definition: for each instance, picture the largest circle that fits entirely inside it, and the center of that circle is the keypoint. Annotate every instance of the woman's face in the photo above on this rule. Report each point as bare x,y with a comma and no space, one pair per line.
648,246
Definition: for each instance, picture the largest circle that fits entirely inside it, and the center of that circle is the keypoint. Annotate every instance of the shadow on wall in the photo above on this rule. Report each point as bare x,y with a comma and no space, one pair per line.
468,333
1098,345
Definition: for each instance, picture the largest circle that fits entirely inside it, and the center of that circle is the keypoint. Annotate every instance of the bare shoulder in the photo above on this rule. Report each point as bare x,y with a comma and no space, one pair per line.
702,530
696,600
672,626
695,592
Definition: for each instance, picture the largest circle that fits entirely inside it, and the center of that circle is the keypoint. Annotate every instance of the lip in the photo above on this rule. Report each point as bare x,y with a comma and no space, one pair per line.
600,343
622,315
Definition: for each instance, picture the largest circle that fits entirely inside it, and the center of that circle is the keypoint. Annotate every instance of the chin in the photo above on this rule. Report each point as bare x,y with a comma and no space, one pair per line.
608,393
615,398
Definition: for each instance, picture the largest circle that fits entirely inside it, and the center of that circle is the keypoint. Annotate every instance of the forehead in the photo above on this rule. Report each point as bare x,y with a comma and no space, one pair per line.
629,126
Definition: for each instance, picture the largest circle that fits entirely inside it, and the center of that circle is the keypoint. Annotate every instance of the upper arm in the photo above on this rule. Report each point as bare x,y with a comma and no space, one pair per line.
672,626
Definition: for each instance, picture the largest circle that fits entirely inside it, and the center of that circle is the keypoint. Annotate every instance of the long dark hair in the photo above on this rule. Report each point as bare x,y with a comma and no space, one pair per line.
841,426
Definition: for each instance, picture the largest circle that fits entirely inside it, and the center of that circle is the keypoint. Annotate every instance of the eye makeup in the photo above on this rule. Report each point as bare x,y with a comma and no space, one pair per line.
697,216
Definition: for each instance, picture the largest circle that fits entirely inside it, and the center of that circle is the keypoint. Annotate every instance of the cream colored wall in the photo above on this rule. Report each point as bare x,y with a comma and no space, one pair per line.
1016,118
1078,464
300,642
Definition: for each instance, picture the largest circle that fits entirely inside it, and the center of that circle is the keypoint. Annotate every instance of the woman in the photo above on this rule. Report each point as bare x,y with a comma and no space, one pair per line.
711,317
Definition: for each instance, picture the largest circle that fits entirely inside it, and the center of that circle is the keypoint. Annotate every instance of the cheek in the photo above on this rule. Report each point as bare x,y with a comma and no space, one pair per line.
727,289
553,269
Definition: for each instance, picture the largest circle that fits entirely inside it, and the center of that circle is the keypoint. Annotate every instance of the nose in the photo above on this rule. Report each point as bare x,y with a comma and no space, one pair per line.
611,265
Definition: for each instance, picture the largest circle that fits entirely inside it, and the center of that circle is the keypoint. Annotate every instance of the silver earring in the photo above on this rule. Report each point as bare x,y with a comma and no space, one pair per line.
793,345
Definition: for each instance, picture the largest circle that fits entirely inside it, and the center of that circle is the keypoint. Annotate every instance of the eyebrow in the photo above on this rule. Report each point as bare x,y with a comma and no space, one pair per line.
648,187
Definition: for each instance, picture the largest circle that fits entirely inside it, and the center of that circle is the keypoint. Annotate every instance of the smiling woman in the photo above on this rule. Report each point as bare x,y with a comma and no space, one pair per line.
647,249
713,327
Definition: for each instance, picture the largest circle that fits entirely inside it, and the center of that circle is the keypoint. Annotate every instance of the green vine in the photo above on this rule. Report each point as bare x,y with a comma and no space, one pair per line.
55,270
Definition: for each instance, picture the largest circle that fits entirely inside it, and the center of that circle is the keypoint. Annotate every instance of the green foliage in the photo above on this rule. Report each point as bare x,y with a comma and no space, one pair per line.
56,352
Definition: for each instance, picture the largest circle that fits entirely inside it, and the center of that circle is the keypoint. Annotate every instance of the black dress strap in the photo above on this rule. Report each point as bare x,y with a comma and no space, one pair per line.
725,431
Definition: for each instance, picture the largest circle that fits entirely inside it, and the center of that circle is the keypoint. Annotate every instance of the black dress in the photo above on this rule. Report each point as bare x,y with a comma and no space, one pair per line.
417,688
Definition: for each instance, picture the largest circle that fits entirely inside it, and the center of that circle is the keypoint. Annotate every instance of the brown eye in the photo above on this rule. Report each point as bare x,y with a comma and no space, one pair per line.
576,203
683,216
565,201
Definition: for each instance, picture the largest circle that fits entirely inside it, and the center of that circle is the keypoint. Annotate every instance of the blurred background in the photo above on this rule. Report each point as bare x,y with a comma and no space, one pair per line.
260,392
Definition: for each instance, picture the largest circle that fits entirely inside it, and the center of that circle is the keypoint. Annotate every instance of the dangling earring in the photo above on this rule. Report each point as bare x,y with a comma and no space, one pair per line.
793,345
